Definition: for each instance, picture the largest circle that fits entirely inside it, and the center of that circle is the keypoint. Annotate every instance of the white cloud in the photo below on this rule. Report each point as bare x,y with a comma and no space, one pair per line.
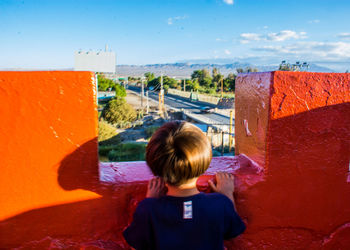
310,50
244,41
285,35
251,36
220,40
228,2
227,52
277,37
248,37
344,35
171,20
314,21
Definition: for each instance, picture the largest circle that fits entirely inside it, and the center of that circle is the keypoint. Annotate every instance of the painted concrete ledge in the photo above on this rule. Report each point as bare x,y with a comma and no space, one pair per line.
129,182
54,194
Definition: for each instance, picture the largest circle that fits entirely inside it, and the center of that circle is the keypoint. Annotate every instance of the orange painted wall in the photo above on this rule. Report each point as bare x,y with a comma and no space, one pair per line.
45,116
292,187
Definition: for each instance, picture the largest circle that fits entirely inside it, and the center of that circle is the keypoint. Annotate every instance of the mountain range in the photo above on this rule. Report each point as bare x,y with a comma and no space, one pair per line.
185,69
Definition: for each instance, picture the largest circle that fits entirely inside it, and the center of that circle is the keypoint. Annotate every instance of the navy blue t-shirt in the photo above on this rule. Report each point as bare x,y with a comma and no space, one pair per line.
201,221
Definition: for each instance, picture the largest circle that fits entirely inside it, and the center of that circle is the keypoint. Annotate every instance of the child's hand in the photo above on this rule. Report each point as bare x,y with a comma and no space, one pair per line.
224,184
156,188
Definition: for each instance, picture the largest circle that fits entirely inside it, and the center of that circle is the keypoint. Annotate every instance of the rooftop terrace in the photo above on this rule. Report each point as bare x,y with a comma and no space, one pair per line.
292,166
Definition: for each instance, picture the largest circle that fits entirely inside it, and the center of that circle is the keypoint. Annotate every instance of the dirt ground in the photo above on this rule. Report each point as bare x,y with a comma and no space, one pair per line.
135,100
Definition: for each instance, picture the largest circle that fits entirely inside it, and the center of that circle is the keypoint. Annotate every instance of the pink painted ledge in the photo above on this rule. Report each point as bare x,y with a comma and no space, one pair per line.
246,171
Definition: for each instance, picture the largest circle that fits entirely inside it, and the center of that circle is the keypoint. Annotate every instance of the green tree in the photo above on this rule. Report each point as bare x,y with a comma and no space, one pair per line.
206,73
205,82
230,82
170,81
156,82
251,69
166,88
105,131
149,76
189,83
215,72
240,70
118,111
105,83
247,70
197,74
192,85
119,90
284,66
217,80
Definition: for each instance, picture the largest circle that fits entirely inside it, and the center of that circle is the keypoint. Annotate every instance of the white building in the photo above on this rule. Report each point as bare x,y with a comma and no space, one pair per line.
102,61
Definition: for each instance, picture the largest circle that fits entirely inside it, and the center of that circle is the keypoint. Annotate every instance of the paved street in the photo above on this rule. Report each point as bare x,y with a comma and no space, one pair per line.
189,107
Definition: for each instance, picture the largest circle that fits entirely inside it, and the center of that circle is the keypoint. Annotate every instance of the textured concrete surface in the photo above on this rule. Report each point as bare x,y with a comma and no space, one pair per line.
299,131
292,174
48,148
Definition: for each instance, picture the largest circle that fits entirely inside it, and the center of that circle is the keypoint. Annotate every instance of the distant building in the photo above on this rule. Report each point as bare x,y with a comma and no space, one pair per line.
102,61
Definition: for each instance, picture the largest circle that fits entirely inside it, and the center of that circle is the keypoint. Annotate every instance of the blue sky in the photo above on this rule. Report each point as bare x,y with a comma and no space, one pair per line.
44,34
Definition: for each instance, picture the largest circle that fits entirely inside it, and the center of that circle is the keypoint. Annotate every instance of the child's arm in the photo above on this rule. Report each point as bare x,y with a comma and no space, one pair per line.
224,185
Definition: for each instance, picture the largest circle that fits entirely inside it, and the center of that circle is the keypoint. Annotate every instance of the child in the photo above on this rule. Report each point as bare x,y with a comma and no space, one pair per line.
178,153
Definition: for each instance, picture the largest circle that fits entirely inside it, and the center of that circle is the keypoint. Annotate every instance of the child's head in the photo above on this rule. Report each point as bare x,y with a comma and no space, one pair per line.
178,151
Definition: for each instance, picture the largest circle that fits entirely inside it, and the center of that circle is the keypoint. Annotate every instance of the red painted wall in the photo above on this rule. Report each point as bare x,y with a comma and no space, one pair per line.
292,191
303,135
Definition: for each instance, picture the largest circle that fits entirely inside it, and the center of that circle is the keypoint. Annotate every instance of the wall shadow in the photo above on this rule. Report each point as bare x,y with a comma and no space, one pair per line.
306,168
79,170
95,222
301,201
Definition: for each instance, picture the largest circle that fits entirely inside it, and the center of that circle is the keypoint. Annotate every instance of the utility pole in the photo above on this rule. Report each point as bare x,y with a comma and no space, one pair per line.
161,95
222,143
222,88
162,91
230,137
185,85
147,105
142,93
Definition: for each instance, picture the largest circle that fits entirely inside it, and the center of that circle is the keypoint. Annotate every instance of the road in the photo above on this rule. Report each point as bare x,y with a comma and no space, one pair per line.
188,106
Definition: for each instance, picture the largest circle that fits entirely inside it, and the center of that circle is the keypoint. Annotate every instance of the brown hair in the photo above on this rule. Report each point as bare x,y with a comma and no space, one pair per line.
178,151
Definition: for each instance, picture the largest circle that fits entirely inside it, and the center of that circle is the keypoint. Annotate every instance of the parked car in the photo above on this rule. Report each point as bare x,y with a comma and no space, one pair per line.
206,109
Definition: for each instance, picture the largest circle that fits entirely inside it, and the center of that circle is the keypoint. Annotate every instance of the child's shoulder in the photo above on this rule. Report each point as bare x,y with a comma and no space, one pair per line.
145,205
218,200
147,202
217,197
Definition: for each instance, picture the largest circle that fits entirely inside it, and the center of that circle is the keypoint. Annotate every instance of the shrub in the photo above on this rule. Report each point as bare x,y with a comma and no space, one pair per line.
139,114
117,111
166,88
104,83
104,149
119,90
150,131
105,131
128,152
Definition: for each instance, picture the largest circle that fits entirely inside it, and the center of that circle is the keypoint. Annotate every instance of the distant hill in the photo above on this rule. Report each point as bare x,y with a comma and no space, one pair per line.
176,69
185,69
